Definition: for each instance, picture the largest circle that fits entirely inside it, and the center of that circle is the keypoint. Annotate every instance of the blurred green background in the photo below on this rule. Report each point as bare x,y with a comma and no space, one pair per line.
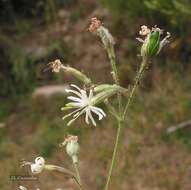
33,33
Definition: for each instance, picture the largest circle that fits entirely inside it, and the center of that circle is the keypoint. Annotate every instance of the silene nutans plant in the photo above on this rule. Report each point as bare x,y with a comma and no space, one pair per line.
84,100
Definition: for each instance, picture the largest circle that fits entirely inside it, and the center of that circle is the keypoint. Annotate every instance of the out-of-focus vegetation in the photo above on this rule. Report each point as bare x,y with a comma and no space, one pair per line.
32,33
174,13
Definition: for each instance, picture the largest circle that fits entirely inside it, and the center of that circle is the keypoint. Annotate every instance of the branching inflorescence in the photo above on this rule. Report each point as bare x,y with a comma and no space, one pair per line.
85,101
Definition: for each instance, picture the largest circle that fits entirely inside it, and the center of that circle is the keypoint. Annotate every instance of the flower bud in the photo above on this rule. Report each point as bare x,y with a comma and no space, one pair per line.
151,47
72,147
106,91
55,66
97,28
152,44
78,74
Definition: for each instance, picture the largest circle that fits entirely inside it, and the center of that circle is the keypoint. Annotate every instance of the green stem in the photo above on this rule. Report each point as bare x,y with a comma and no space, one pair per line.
64,171
114,155
137,80
111,55
77,174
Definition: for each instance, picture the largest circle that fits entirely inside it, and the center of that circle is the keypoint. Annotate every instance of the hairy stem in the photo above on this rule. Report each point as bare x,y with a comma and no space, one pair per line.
64,171
137,81
112,58
77,173
122,117
114,154
111,55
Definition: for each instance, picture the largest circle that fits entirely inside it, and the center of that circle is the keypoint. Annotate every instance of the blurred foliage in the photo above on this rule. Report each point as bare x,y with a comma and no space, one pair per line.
17,70
175,13
11,10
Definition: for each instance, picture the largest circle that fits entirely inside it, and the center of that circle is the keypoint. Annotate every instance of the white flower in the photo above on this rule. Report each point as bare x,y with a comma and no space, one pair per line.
83,103
36,167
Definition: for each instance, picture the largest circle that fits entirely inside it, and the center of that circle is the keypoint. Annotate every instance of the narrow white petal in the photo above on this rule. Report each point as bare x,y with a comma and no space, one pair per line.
78,115
75,99
97,113
98,109
84,95
91,94
76,87
91,117
74,92
87,119
68,115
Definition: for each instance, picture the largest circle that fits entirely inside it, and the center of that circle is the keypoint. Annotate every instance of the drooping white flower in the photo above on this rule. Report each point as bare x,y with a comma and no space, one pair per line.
83,104
37,166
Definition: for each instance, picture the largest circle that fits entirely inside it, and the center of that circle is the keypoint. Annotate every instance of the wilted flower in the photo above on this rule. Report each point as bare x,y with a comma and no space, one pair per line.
72,147
36,167
83,103
97,28
56,65
152,44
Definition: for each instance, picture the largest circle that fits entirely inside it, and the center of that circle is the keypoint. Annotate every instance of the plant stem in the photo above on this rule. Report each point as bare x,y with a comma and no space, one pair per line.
77,173
114,154
64,171
111,55
137,80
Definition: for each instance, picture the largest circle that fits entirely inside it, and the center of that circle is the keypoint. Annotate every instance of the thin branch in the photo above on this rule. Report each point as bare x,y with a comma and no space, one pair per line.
178,126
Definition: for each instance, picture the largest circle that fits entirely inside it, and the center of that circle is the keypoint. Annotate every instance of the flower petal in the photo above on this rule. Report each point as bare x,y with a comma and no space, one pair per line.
87,118
75,99
99,110
91,117
74,92
68,115
76,87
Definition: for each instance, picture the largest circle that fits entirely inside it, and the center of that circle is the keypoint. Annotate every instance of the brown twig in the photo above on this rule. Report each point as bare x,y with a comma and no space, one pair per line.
178,126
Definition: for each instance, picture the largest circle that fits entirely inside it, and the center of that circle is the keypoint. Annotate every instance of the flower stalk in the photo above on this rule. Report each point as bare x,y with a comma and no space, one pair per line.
137,81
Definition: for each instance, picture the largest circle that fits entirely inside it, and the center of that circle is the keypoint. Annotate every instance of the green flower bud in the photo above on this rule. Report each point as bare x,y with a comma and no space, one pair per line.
151,48
109,91
56,66
152,44
72,147
78,74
